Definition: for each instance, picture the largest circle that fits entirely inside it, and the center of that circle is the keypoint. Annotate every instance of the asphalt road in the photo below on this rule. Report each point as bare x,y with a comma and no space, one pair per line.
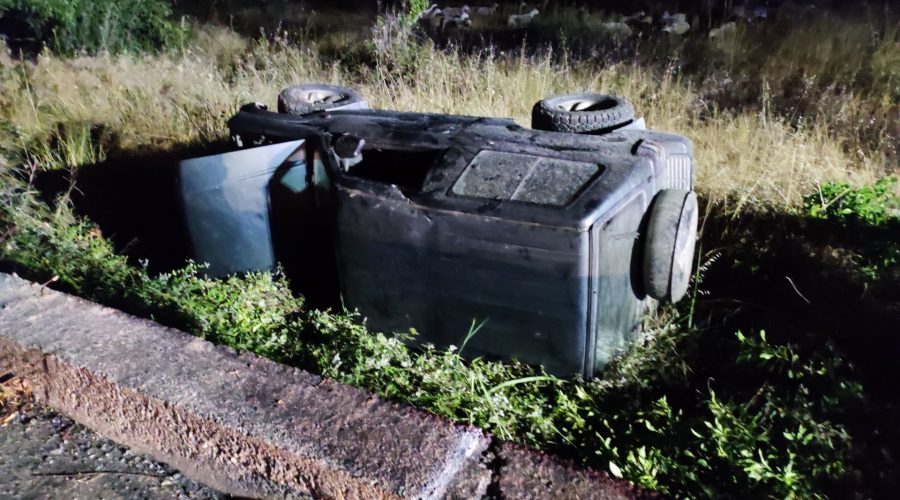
45,455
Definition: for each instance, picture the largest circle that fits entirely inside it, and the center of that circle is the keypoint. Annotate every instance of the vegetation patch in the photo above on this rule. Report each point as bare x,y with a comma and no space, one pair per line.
95,26
769,381
870,214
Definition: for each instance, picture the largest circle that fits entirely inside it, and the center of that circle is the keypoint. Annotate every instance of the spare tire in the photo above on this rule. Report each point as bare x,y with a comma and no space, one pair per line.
669,246
310,97
582,113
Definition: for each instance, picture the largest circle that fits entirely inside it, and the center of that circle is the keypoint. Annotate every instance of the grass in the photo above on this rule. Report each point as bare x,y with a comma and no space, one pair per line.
717,400
757,158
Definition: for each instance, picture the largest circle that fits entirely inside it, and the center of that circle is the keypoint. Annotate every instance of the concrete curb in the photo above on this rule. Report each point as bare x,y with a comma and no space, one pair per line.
251,427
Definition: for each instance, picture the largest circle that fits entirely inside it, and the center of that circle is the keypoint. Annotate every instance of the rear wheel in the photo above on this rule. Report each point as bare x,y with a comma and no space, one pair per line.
669,246
582,113
311,97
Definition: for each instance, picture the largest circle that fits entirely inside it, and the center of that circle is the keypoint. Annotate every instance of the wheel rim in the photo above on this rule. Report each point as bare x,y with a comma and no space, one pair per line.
320,96
599,104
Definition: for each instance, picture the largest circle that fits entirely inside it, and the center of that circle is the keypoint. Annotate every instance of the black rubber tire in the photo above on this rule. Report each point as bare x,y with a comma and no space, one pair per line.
669,246
582,113
311,97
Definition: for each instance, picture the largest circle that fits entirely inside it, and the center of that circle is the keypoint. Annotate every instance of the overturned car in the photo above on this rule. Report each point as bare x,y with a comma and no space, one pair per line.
552,240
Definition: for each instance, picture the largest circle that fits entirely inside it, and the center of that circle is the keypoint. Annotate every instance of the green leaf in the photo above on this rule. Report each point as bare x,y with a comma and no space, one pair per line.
615,470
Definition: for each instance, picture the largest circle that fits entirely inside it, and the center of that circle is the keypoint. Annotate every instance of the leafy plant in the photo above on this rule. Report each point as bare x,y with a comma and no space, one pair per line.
92,26
871,217
874,205
413,9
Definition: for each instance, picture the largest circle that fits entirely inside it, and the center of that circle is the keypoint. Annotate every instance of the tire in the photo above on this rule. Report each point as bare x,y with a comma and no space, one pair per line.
669,246
582,113
311,97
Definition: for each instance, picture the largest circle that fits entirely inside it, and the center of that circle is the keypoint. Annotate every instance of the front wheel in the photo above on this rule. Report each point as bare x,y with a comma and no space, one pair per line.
669,246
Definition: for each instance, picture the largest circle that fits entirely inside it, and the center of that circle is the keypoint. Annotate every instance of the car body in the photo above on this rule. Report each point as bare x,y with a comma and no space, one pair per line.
447,224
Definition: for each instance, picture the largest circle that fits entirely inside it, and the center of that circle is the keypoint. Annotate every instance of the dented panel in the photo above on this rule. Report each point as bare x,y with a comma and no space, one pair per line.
226,204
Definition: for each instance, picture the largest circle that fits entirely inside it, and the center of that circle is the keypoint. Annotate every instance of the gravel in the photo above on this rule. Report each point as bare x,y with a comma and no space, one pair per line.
46,455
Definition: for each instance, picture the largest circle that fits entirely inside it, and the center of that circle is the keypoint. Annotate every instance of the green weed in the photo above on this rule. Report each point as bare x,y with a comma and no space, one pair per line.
874,205
94,26
870,215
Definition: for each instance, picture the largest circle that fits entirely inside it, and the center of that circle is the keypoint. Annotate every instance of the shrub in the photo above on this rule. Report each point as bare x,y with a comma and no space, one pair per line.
873,205
869,215
92,26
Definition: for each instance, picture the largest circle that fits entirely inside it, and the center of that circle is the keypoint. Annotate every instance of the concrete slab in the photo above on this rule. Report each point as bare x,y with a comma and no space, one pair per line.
248,426
526,473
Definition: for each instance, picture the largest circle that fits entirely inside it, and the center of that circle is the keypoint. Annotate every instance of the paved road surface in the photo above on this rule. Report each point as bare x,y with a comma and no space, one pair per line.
45,455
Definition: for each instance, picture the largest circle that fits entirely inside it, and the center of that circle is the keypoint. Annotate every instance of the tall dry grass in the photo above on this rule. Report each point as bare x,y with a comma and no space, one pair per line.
751,157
